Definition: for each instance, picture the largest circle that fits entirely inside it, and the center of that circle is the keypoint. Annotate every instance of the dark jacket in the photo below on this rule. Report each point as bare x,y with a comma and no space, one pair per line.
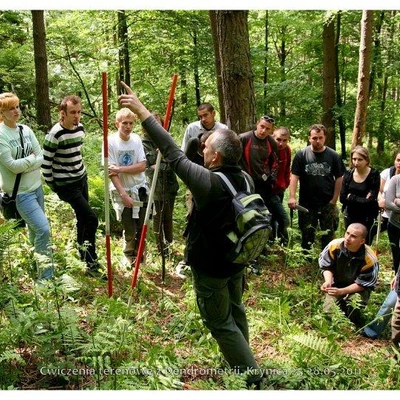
167,184
212,205
357,204
361,267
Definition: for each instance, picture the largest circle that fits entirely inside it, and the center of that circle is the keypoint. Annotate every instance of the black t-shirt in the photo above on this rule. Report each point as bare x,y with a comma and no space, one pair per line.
317,173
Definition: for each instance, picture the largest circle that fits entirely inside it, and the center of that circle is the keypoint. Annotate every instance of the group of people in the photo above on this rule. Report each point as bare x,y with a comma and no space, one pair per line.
349,266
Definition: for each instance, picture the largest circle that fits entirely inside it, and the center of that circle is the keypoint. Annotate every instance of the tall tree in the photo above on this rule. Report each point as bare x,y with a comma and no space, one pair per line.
123,48
265,78
213,24
364,65
42,80
196,73
236,72
339,101
328,81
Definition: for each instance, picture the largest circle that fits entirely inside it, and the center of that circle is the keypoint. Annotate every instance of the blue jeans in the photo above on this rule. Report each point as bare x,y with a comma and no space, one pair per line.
31,208
376,327
394,238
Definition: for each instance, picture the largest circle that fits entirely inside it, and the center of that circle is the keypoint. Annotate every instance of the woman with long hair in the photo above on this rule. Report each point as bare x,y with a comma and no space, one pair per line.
26,159
359,193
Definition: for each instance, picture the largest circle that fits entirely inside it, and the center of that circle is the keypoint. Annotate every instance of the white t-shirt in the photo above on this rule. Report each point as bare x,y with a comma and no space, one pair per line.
195,128
126,152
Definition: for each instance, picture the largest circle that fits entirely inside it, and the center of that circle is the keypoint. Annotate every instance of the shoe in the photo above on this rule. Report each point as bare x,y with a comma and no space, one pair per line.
94,270
255,268
128,262
369,333
182,270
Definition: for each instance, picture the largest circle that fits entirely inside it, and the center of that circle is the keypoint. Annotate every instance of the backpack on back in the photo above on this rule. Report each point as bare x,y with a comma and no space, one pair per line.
252,226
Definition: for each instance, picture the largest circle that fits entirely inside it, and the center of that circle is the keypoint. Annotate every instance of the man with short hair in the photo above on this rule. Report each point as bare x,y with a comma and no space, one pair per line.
206,123
192,144
260,161
260,156
128,186
349,267
64,171
218,282
319,169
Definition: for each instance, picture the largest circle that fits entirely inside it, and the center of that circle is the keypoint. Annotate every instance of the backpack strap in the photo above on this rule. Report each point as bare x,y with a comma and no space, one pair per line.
229,185
18,177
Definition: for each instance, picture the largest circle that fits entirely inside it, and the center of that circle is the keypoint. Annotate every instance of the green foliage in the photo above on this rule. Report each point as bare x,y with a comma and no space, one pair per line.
68,333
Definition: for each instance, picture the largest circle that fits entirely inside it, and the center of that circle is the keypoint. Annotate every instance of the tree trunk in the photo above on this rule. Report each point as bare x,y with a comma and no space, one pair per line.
184,93
282,64
265,80
363,78
123,49
236,72
339,102
196,70
42,79
213,24
328,97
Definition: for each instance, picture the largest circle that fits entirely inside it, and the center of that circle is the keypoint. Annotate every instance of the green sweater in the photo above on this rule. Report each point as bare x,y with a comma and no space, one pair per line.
12,164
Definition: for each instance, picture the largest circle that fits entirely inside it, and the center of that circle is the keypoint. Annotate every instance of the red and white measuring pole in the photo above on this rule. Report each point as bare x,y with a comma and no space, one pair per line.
106,183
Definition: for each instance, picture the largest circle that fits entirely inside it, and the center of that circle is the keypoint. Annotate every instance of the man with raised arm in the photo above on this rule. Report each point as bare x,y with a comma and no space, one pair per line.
218,283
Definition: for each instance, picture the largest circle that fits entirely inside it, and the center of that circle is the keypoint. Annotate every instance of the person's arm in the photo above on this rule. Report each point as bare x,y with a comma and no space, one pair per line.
372,196
287,169
327,265
336,190
328,280
344,191
196,177
127,169
381,196
340,292
391,202
50,147
37,151
292,191
16,166
127,200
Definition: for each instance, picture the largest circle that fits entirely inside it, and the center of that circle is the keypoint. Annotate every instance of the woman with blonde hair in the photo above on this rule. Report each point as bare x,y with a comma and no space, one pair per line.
20,153
359,193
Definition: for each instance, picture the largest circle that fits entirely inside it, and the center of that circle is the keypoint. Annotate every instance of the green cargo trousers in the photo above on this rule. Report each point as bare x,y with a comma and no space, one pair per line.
223,313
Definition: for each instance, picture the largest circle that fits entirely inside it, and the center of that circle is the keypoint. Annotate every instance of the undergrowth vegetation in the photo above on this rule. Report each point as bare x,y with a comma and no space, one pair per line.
68,333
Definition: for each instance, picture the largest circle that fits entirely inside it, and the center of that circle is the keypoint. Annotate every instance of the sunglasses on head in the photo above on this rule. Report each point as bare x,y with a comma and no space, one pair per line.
268,118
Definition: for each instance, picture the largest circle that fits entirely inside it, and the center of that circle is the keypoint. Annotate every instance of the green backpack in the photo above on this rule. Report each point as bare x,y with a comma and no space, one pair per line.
252,226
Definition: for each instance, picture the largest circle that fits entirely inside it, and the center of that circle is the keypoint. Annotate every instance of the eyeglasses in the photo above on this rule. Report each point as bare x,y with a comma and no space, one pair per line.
268,118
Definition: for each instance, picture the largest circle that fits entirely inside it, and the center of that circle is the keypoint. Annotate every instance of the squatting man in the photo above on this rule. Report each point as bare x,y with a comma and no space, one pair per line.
349,267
